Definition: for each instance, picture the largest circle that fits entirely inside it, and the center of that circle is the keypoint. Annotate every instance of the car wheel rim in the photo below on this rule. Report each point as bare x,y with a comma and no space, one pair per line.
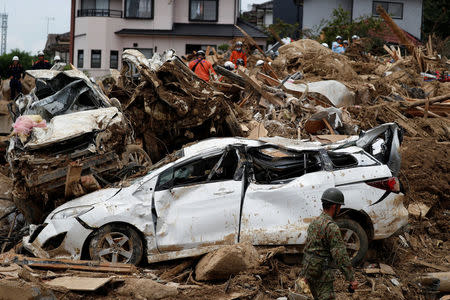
351,240
115,247
137,158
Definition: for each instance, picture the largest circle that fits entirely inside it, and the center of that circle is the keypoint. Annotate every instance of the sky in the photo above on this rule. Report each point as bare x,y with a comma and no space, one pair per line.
27,21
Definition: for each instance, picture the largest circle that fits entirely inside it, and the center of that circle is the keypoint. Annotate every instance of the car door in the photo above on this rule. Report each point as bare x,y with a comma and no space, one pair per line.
198,203
278,212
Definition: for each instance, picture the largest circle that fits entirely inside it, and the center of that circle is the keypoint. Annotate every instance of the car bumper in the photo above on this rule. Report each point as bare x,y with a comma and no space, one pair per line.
389,216
57,239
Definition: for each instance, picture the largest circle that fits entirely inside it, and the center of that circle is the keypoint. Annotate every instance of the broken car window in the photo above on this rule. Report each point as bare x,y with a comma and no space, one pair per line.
273,165
342,160
199,171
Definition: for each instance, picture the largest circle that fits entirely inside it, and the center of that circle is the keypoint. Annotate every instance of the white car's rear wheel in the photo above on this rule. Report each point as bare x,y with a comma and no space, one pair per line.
355,239
116,243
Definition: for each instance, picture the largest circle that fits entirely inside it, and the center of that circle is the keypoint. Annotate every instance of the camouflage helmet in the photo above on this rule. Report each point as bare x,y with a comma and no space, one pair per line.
333,195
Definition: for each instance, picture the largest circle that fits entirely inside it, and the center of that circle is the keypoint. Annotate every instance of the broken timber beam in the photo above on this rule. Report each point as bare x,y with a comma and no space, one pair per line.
252,41
230,75
396,29
275,35
419,102
268,80
253,82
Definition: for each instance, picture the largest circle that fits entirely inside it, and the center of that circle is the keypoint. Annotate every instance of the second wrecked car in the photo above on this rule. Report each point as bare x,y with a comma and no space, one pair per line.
228,190
70,140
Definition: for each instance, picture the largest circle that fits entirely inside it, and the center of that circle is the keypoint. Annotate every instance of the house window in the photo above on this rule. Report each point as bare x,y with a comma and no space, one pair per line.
114,59
139,9
394,9
96,59
80,58
203,10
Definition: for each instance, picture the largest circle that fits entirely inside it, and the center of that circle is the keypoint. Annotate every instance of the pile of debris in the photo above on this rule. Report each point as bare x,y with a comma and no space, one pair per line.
168,105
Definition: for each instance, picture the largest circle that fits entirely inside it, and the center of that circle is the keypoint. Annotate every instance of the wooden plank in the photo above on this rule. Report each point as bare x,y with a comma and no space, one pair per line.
268,69
64,264
268,80
75,283
252,41
402,122
253,82
434,266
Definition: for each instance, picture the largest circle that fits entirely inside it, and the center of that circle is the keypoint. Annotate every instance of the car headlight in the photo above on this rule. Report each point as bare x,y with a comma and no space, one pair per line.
72,212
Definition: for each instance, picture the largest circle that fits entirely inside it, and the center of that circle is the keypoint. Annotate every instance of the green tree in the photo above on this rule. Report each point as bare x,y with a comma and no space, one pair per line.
25,58
284,29
342,24
436,18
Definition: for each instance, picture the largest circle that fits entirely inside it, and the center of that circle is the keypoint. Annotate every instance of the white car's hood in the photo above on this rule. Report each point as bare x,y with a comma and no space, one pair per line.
89,199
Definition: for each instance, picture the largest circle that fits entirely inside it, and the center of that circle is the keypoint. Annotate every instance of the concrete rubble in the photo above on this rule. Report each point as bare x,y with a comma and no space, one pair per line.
154,107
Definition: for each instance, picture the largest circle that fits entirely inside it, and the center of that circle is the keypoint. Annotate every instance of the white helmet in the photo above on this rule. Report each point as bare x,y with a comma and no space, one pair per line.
57,57
238,43
260,62
40,53
325,45
355,37
229,65
339,37
345,42
15,58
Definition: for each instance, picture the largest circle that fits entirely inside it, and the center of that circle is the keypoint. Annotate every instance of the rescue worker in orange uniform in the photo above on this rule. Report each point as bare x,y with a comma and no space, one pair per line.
238,54
201,67
41,63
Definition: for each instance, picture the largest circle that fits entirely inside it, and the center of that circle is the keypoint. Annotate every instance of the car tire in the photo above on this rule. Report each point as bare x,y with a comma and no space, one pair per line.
116,243
135,154
355,238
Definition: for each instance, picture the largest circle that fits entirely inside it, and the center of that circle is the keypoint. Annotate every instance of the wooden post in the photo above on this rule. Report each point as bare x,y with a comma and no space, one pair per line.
396,29
252,41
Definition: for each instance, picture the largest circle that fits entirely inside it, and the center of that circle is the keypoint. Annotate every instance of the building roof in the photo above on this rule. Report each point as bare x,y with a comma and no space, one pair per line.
387,35
58,42
200,29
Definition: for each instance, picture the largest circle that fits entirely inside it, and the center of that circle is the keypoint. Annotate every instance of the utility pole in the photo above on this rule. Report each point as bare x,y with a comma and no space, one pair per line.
4,32
48,22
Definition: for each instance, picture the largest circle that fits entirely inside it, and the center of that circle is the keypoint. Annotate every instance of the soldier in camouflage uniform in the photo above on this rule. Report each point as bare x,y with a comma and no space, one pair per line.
325,245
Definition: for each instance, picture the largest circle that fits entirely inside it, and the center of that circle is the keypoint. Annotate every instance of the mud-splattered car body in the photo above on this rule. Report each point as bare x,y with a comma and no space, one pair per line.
228,190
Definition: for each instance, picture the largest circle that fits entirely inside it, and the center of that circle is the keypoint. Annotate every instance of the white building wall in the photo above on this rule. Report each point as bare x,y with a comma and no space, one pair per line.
412,14
226,12
315,11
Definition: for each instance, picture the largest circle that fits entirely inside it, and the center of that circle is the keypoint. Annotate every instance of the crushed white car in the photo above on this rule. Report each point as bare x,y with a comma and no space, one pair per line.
227,190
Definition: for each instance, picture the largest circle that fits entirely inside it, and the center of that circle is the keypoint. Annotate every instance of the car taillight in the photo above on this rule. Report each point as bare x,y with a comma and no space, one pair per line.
391,184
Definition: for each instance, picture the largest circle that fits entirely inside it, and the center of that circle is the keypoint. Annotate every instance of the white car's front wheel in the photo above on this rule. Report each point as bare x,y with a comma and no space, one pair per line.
116,243
355,239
